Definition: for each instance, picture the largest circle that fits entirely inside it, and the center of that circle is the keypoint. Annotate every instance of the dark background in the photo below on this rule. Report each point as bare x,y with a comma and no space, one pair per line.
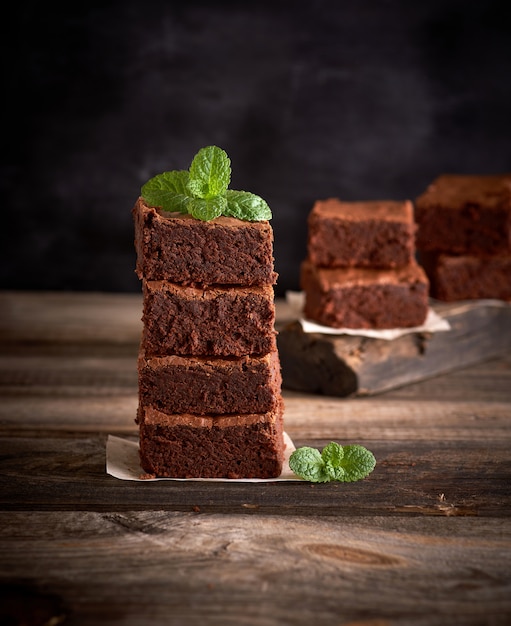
311,99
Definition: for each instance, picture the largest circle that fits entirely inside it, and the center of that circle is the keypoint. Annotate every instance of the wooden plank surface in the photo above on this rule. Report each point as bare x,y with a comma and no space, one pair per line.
61,317
428,478
425,539
188,568
344,365
56,318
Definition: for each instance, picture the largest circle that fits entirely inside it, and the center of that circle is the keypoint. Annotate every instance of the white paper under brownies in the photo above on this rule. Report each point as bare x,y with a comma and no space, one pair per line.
122,461
433,324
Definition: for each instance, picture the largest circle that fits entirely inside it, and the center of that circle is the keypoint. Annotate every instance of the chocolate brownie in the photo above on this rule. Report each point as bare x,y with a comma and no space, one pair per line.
468,277
182,249
201,386
365,298
465,214
189,446
219,321
378,234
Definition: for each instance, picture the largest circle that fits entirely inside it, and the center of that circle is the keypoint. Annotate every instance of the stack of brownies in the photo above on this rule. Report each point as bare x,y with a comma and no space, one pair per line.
360,270
464,236
210,403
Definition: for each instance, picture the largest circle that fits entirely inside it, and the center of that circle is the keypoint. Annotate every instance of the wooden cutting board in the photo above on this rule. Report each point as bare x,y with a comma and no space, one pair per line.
344,365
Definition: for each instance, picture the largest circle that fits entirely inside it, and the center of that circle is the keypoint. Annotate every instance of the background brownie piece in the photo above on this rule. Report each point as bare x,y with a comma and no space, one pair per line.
379,234
469,277
203,386
188,446
181,249
220,321
365,298
465,214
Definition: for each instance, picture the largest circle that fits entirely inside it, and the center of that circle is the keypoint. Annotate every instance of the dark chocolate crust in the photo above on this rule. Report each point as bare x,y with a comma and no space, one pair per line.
181,249
191,321
365,298
204,386
468,277
465,214
188,446
378,234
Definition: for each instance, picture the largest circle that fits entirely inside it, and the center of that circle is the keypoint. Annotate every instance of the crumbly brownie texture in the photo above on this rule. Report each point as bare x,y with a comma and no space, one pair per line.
203,386
181,249
468,277
190,321
465,214
365,298
378,234
188,446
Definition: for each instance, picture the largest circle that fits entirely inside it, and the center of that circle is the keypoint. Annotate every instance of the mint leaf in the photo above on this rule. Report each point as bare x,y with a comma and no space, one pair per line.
335,462
175,182
357,463
210,173
168,191
203,192
332,456
247,206
207,209
307,463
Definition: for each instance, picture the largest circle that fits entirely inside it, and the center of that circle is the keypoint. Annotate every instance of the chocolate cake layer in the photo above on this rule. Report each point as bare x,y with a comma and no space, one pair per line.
468,277
202,386
365,298
465,214
378,234
184,250
222,321
188,446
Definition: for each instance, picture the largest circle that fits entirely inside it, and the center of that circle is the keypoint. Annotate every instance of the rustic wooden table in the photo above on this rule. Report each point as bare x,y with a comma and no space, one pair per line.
425,539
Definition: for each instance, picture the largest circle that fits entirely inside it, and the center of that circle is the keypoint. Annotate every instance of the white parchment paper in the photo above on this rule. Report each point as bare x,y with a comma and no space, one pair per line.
122,462
433,323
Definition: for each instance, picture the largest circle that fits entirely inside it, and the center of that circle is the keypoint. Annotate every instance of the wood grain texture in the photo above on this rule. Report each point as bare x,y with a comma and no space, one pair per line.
78,318
344,365
56,317
425,539
420,477
185,568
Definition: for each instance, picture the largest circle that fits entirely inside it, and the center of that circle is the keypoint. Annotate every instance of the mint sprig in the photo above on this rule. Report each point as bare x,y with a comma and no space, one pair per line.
335,462
203,190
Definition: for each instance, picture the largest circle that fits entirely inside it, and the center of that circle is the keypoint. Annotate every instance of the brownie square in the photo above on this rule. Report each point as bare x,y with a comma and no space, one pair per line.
378,234
465,214
202,386
365,298
233,446
221,321
468,277
185,250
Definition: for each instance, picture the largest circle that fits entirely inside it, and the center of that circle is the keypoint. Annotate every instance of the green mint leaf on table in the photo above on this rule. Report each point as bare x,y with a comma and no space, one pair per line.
335,462
333,458
202,191
357,463
307,463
